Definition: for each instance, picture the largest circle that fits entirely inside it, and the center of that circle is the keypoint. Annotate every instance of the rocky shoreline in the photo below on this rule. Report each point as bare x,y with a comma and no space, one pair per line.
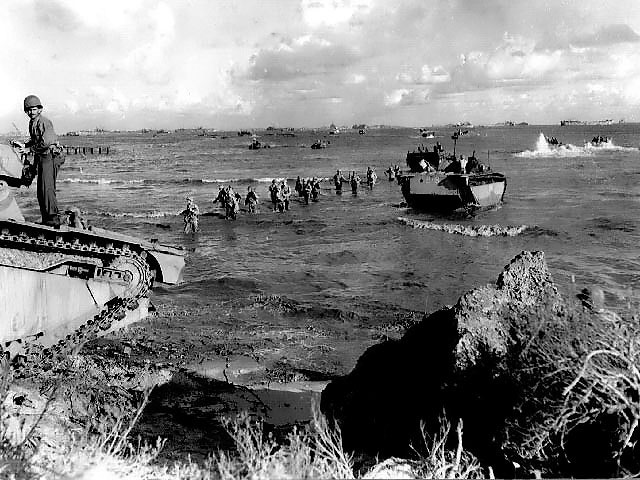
479,363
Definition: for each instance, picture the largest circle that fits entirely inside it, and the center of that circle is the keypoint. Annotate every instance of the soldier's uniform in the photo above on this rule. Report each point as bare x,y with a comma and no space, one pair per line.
42,142
190,217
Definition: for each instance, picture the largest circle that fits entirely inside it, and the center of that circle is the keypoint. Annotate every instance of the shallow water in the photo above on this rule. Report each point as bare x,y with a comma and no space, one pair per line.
577,204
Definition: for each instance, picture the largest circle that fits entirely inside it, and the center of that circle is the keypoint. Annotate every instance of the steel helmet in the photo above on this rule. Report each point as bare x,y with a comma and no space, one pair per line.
32,101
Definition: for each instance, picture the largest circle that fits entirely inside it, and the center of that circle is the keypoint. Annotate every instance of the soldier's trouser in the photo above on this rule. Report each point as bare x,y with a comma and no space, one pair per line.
46,188
191,225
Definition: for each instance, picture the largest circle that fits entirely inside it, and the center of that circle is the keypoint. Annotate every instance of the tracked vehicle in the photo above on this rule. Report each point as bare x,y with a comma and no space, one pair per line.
60,287
427,186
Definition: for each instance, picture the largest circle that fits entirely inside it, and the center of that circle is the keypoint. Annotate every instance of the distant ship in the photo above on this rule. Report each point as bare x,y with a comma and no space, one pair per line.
564,123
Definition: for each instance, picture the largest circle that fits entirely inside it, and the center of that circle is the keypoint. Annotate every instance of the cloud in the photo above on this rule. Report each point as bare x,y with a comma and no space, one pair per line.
300,58
53,15
319,13
406,97
129,62
607,36
425,76
355,79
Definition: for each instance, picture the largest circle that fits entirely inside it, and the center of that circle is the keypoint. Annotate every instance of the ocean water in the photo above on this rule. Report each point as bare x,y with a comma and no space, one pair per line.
578,204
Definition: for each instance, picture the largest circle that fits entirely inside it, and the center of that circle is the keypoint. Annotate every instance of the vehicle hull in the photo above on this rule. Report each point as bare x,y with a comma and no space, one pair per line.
442,192
60,287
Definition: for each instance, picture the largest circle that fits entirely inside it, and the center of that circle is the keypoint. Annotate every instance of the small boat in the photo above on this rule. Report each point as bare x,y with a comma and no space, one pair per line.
256,144
600,141
362,131
427,133
333,130
553,141
437,182
319,144
459,133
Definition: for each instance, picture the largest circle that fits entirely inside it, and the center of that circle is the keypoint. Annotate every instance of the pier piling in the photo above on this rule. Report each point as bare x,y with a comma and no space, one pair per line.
95,150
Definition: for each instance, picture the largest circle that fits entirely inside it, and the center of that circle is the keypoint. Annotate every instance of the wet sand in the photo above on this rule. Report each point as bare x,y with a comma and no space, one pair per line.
264,355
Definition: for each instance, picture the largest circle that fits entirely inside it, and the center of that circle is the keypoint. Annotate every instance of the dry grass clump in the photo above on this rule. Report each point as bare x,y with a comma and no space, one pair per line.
438,461
312,452
315,452
579,381
606,388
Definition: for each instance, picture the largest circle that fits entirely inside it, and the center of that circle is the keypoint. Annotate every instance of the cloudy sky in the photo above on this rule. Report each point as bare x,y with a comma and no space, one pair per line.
130,64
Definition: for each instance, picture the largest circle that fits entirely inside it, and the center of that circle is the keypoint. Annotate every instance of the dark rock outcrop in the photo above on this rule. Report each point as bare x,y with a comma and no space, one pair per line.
456,361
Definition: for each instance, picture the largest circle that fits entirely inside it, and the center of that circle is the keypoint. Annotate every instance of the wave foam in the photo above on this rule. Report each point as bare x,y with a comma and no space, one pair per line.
98,181
109,181
467,230
543,149
154,214
217,180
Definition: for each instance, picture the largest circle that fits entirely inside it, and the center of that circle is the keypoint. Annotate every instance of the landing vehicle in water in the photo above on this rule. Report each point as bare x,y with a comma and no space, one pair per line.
318,144
437,182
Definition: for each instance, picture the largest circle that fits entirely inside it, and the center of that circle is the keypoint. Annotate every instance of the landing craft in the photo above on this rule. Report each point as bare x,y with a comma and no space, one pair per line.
62,287
437,182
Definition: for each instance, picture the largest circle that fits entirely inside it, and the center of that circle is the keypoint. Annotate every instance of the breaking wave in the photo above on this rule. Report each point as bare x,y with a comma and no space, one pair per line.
467,230
153,214
100,181
607,146
278,179
148,181
544,149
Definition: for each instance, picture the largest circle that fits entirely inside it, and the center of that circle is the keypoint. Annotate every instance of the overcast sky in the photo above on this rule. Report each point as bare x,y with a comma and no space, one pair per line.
130,64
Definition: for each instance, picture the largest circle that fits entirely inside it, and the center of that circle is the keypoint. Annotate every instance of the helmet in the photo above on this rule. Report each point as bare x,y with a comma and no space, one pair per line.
32,101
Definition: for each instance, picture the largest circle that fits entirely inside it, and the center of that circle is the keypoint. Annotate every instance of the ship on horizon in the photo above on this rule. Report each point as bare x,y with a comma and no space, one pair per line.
564,123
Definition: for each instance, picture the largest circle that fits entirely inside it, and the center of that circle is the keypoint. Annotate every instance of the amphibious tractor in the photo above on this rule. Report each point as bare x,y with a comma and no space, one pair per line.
60,287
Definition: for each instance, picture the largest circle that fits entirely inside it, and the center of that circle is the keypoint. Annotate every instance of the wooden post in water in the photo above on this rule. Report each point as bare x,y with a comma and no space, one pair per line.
99,150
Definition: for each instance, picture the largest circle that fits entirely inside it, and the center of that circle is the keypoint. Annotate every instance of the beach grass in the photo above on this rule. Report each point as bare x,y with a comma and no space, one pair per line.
585,378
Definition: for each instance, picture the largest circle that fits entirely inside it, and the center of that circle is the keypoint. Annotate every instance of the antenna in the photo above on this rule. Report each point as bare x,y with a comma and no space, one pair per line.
16,127
454,137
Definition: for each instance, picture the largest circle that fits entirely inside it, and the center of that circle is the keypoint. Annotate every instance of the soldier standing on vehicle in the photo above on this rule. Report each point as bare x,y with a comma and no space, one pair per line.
43,143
